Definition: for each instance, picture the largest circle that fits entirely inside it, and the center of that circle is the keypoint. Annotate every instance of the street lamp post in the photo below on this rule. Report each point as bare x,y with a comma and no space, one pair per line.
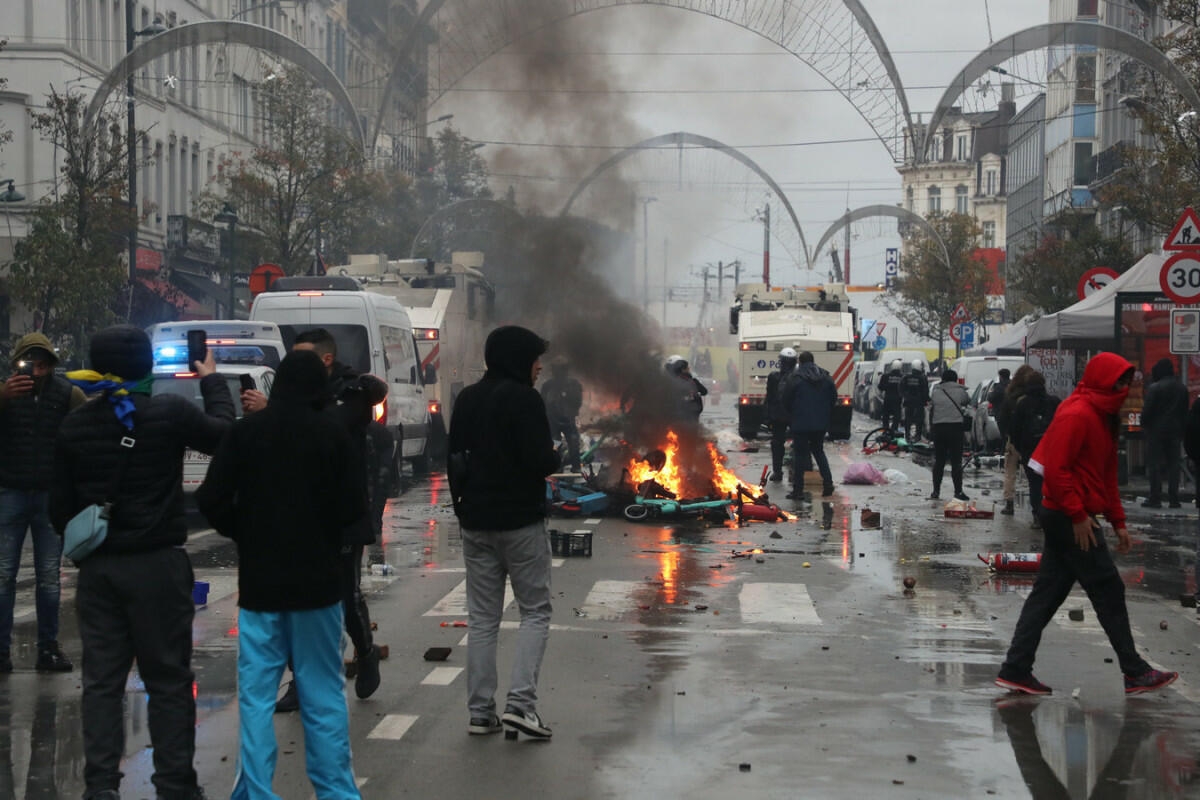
229,217
131,137
646,201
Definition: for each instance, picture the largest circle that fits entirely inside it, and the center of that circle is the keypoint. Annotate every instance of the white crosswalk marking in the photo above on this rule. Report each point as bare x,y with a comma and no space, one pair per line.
778,603
454,604
392,726
441,676
608,600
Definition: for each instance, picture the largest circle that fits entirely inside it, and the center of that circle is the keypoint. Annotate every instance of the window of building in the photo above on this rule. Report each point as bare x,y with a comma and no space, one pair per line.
992,182
961,151
989,234
1085,79
935,200
1084,171
960,199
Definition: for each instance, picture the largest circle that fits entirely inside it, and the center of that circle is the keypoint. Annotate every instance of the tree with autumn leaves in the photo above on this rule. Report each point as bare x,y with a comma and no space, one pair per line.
933,282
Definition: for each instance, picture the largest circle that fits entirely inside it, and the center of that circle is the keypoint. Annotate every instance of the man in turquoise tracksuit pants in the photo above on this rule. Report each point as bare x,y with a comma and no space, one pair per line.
278,487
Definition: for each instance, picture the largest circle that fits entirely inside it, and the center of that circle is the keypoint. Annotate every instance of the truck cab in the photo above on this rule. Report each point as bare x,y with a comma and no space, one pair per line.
766,320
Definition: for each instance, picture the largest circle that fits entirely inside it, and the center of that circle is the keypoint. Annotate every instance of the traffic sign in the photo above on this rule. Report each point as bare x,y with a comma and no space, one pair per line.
1180,278
880,342
1185,330
1094,280
959,313
1186,233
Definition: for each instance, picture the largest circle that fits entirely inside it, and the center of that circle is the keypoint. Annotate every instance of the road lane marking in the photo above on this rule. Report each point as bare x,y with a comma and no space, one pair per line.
441,676
392,726
777,603
608,600
454,604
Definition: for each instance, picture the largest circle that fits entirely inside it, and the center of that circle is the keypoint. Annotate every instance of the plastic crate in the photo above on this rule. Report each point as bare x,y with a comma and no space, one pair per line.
571,544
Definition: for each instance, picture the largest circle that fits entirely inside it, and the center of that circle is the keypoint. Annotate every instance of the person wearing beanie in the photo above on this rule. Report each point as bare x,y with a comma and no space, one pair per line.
133,598
499,454
33,403
282,488
1164,418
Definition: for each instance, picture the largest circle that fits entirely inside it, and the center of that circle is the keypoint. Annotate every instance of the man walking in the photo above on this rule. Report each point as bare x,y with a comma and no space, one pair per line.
778,414
1078,462
810,394
1164,417
563,396
499,455
33,403
134,592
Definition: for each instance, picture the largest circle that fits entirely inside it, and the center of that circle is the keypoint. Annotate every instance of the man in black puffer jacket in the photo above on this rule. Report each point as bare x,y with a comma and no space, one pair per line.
500,453
134,594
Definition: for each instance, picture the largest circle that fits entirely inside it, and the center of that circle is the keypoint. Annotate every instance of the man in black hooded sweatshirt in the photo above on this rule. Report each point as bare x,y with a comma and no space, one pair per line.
500,453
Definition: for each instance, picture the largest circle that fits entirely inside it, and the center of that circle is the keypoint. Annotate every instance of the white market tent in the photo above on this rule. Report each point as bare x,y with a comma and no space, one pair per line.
1092,317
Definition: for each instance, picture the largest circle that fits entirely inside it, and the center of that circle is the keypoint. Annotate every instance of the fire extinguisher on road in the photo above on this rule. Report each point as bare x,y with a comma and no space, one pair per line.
1012,562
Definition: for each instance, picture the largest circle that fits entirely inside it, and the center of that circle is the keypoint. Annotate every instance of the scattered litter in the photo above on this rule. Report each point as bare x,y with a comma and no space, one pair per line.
860,473
895,476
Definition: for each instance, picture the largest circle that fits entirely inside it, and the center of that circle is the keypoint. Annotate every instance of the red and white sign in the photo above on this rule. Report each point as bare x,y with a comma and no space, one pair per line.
1180,278
1094,280
1186,233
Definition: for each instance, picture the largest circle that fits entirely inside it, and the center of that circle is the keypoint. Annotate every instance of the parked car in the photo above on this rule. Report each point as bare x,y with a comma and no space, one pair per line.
985,432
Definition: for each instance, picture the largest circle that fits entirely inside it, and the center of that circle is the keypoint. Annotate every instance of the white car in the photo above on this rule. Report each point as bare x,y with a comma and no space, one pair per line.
187,385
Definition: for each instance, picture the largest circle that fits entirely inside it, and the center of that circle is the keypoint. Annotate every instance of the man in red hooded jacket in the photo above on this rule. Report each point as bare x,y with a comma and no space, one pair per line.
1077,459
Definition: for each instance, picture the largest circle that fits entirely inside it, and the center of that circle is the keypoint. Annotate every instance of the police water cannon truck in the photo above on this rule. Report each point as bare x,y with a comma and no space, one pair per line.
766,320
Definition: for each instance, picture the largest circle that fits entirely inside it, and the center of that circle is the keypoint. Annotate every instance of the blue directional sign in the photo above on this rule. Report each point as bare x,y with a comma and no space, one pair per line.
880,342
967,335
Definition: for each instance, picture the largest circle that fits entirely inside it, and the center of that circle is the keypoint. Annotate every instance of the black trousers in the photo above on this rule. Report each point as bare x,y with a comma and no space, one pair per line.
358,617
1162,457
948,446
1063,563
779,435
138,606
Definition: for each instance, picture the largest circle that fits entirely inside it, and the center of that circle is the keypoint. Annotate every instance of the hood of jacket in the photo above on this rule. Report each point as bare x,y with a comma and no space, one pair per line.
1096,388
1163,369
810,372
510,352
300,382
33,341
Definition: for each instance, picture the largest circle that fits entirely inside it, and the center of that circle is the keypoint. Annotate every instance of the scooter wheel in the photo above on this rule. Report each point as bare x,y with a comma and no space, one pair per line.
636,513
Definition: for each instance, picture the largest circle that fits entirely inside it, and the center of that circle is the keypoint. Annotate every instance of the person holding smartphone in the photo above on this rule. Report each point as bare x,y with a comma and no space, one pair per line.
33,403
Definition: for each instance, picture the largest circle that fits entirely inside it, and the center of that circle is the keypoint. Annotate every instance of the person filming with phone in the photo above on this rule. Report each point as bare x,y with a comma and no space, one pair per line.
33,403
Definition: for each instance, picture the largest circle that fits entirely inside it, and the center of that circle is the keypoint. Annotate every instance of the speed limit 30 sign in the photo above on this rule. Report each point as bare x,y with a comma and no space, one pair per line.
1180,278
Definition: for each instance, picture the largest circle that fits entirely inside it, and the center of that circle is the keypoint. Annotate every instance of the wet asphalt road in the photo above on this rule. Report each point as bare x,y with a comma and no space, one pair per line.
808,673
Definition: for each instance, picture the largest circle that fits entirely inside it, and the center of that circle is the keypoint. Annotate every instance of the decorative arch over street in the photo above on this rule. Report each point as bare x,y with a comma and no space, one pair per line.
680,139
226,32
1050,35
836,38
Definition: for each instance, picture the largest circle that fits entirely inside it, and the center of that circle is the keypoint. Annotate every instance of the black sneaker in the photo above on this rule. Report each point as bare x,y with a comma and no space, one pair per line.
366,681
1148,681
51,659
482,726
1027,685
290,701
527,722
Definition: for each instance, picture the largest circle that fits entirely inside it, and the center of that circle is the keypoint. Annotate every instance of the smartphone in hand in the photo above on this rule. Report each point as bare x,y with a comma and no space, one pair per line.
197,347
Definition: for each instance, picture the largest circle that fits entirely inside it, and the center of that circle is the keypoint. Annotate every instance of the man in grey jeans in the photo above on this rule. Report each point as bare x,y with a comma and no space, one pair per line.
500,452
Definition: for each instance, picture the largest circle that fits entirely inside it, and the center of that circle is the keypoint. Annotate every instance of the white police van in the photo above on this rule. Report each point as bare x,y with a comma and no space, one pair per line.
374,335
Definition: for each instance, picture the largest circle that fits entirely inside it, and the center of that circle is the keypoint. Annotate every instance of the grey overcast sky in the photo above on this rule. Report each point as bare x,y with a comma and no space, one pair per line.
735,87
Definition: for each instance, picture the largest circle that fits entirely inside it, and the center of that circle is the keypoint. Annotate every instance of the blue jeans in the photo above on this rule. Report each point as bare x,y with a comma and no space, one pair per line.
312,639
22,510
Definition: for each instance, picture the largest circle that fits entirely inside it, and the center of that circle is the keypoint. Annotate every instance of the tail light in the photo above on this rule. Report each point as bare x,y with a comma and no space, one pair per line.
435,407
379,411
